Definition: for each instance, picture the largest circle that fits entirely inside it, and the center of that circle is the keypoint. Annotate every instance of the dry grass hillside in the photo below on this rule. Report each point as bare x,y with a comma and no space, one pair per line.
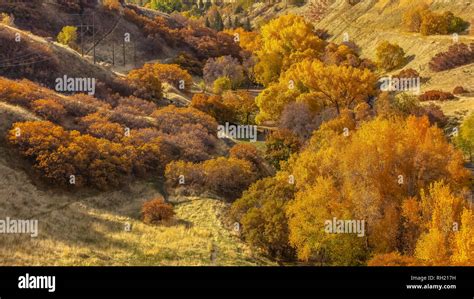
91,228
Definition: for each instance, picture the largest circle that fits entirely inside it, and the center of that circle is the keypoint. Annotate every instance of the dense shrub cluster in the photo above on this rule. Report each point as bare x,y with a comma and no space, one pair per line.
202,41
436,95
221,177
250,153
457,55
421,19
49,109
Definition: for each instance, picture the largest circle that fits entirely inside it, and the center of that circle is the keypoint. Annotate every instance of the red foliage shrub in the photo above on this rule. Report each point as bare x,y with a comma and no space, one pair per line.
156,211
436,95
457,55
459,90
435,115
407,73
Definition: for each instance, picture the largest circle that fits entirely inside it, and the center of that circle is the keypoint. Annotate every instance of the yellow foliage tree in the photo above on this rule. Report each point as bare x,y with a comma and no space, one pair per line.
441,210
282,37
68,36
248,40
463,243
374,170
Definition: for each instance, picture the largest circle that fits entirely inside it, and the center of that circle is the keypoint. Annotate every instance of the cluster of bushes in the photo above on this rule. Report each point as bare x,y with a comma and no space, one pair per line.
229,107
457,55
421,19
220,177
148,79
71,158
404,105
436,95
107,156
46,103
203,42
345,54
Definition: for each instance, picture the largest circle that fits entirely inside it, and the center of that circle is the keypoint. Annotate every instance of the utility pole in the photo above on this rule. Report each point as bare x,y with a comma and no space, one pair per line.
113,53
134,53
93,33
123,52
82,37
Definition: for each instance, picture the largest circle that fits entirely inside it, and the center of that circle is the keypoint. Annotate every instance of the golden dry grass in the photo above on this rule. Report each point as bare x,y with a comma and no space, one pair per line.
89,228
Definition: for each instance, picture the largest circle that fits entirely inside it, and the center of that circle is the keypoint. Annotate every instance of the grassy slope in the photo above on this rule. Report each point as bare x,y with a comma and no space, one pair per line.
84,228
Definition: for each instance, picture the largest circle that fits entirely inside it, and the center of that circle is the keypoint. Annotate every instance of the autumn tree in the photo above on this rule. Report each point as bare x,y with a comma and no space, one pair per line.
463,244
409,154
221,84
214,106
393,259
261,214
465,137
68,36
283,37
412,18
146,83
243,105
248,40
441,210
337,86
307,215
173,74
299,118
390,56
280,145
224,66
148,78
